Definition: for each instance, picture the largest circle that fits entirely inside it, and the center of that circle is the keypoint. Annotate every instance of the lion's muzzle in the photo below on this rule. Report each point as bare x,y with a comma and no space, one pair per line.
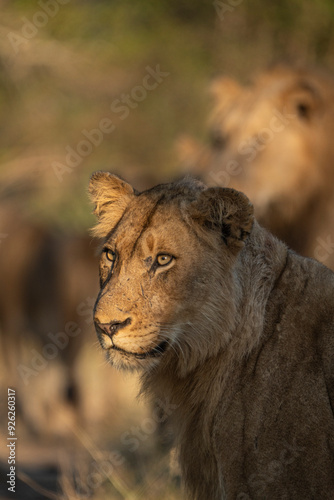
106,331
113,327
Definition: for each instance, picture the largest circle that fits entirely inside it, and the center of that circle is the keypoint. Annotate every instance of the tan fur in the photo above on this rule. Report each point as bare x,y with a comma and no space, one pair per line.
248,364
273,140
105,193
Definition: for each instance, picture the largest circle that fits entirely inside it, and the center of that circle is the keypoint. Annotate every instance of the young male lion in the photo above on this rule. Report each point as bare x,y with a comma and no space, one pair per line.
235,329
273,140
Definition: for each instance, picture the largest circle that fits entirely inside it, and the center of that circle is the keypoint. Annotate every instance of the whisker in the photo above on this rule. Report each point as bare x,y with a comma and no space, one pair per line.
173,344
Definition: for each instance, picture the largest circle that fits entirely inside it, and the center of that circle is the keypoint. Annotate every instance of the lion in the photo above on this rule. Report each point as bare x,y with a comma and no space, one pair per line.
227,324
272,140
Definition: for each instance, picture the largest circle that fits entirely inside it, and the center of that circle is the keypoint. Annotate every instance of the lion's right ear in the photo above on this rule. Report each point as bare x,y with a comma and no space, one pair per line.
225,211
110,195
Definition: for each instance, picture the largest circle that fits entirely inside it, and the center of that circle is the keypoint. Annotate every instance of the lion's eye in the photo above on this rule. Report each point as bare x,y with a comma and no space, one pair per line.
110,255
218,139
164,259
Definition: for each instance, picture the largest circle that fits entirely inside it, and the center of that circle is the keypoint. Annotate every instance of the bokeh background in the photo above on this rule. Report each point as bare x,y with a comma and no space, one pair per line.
65,66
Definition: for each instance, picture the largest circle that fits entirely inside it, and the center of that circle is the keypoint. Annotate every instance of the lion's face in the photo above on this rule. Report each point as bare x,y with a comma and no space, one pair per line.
155,269
273,141
268,135
149,284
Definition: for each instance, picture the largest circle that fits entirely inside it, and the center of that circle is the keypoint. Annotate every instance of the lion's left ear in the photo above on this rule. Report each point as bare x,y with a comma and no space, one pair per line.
110,195
227,211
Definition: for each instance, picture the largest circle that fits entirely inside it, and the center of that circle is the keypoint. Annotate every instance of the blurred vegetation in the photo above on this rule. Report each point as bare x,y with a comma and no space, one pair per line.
65,77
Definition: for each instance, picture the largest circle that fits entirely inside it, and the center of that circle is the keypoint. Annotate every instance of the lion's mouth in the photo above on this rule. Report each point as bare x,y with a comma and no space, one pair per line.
152,353
107,343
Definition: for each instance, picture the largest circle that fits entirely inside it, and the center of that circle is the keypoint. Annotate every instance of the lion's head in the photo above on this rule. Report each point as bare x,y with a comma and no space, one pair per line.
272,140
157,269
276,130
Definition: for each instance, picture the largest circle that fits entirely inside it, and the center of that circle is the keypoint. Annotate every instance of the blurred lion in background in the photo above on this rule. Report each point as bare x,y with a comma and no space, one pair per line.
273,140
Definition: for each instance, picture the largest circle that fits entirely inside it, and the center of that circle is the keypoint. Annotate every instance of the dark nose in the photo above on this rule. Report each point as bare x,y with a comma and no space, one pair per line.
114,326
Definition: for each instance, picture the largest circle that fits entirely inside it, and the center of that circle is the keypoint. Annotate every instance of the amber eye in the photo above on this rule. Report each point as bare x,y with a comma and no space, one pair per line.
110,255
163,259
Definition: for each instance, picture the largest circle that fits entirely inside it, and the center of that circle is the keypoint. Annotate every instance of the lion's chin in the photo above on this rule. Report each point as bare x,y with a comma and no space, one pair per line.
123,359
151,353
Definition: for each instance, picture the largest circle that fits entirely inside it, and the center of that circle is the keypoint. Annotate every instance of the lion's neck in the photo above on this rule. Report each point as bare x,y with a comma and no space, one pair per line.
196,397
259,265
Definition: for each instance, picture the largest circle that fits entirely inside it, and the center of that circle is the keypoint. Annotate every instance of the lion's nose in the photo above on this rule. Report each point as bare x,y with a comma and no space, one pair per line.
114,326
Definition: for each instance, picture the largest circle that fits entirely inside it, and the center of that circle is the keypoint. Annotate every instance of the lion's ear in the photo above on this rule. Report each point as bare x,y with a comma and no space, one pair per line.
110,195
224,89
227,211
